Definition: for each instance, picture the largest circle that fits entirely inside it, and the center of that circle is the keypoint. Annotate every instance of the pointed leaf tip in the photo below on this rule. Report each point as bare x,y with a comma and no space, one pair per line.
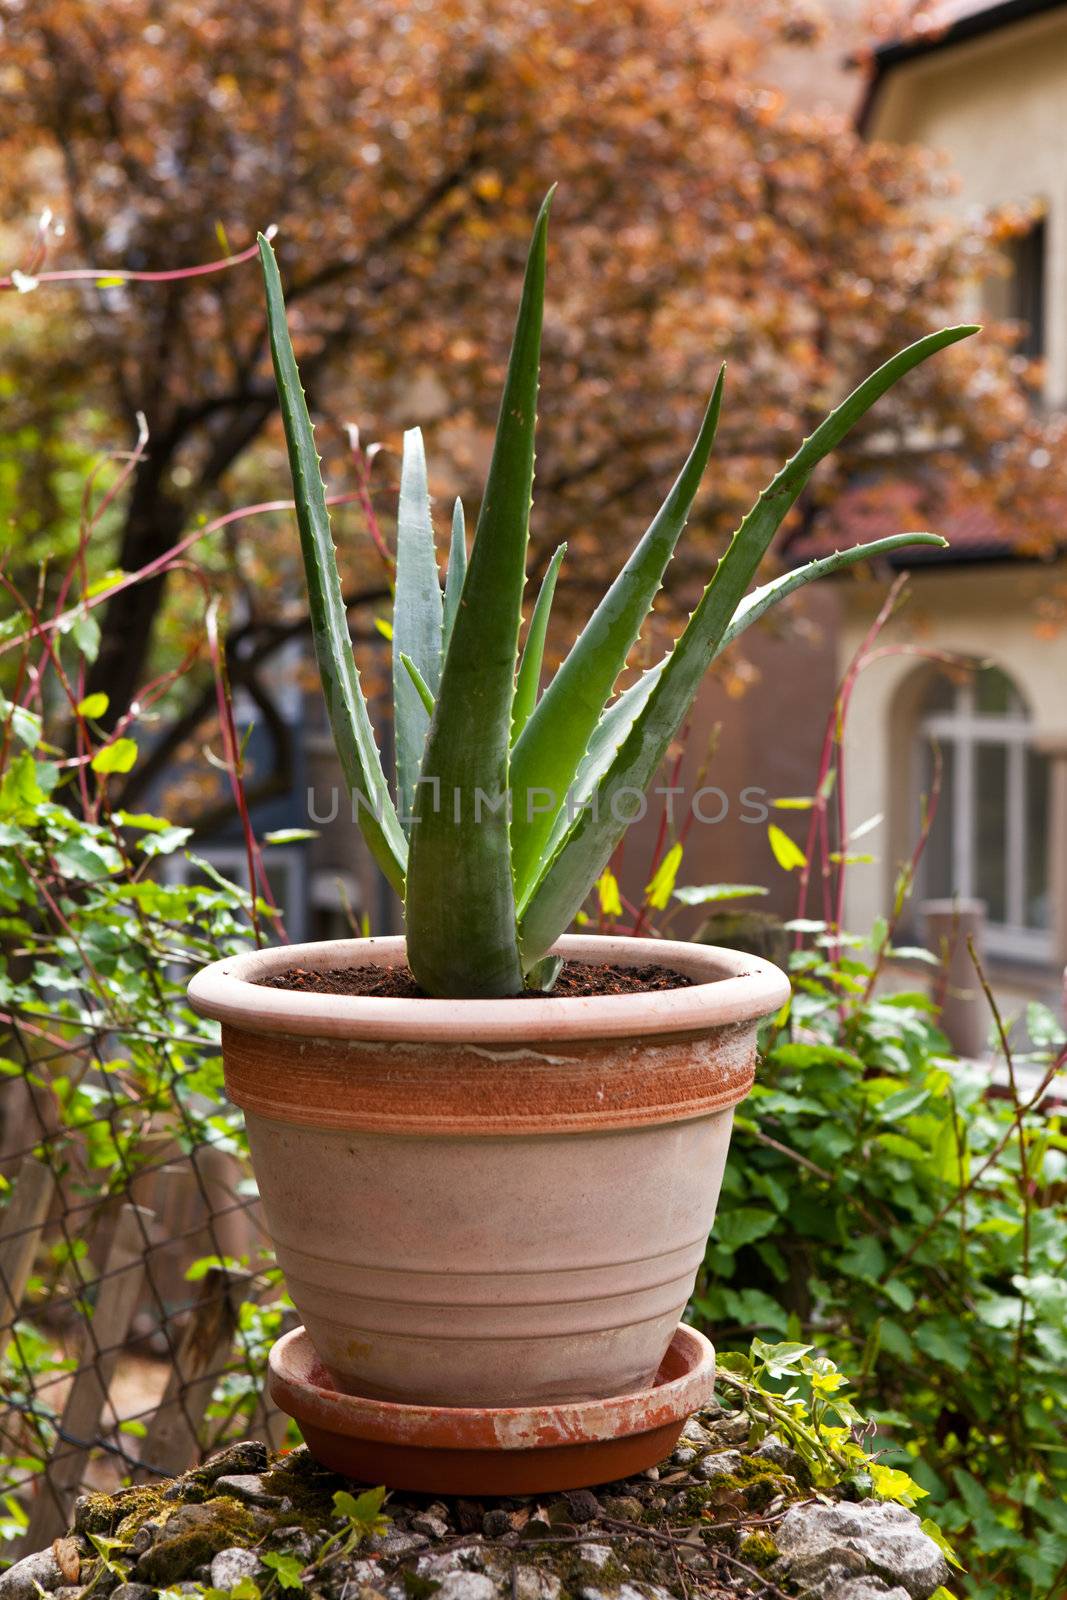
462,937
346,706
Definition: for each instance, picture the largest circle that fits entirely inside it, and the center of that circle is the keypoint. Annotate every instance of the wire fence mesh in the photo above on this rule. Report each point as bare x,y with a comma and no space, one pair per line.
138,1292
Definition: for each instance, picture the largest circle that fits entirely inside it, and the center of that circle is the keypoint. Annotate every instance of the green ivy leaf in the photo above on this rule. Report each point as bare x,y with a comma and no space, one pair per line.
892,1484
25,724
287,1568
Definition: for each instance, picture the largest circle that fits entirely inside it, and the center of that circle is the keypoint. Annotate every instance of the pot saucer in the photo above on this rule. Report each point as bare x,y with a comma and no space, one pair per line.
485,1450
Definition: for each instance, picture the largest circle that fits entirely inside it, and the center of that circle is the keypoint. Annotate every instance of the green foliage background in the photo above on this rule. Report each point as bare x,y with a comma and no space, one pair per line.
883,1205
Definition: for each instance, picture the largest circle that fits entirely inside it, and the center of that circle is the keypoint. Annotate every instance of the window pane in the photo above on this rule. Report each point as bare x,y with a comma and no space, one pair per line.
1036,895
938,873
990,835
940,694
995,694
1028,255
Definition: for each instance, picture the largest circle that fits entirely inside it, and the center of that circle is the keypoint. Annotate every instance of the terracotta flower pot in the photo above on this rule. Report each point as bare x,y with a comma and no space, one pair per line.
490,1202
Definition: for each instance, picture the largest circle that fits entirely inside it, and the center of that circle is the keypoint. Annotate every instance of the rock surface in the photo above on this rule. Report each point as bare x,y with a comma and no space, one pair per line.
27,1577
869,1539
723,1517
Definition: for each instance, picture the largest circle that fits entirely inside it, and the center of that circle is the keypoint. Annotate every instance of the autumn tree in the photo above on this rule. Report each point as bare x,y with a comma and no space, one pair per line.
402,150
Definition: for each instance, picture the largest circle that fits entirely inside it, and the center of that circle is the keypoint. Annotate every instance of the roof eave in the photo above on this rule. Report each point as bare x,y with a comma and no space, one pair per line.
898,51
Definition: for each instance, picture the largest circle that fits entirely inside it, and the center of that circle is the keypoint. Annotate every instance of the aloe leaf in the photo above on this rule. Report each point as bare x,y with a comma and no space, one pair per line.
620,716
417,619
543,974
457,571
571,870
529,679
422,688
760,601
349,718
550,748
460,912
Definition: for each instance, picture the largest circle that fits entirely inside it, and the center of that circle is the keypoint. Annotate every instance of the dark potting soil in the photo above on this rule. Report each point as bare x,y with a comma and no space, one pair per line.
576,981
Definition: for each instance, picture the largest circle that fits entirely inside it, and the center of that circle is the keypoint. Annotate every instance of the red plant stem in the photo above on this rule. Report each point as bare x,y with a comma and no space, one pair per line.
120,274
10,1020
909,874
1019,1110
258,879
661,837
257,875
54,908
88,524
361,464
832,738
163,563
37,630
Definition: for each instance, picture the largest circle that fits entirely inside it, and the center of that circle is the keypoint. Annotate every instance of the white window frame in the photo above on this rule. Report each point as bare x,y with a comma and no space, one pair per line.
964,728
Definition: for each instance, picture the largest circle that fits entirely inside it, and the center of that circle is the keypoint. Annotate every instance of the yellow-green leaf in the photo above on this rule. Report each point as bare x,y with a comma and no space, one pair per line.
102,585
787,852
94,705
607,888
661,885
119,756
890,1484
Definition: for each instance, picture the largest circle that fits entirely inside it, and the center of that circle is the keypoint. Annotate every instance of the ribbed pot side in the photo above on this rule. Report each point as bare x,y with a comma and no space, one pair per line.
490,1202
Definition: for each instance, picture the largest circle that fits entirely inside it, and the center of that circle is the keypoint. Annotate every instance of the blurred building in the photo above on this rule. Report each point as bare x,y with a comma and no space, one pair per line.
987,84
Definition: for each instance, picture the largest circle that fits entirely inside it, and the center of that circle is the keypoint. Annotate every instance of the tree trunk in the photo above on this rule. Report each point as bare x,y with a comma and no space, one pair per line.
154,522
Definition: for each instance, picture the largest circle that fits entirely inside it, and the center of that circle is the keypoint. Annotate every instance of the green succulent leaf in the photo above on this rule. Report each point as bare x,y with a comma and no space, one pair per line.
550,748
529,679
594,833
417,620
422,689
346,707
457,571
621,715
460,910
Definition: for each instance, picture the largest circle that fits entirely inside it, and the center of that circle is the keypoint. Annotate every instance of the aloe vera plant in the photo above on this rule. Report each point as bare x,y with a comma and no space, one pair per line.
507,803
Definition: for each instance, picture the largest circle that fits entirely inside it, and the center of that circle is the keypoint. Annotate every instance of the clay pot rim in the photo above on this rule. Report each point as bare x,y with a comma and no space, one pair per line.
300,1386
727,987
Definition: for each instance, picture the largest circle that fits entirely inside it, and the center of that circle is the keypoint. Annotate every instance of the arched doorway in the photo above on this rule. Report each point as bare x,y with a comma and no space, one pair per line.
990,838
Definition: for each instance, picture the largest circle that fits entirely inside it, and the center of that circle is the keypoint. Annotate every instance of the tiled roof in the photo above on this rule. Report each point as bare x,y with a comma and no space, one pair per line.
975,530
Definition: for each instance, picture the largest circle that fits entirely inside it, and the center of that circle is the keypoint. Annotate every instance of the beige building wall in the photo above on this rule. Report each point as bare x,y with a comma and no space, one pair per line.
987,613
997,106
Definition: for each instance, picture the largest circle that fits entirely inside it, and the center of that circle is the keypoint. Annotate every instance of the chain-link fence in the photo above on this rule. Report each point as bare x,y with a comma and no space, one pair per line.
138,1294
134,1315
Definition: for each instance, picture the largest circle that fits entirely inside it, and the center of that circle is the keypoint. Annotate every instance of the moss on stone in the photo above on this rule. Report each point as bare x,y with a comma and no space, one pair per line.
95,1513
310,1489
762,1481
192,1534
575,1573
759,1550
190,1521
138,1506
